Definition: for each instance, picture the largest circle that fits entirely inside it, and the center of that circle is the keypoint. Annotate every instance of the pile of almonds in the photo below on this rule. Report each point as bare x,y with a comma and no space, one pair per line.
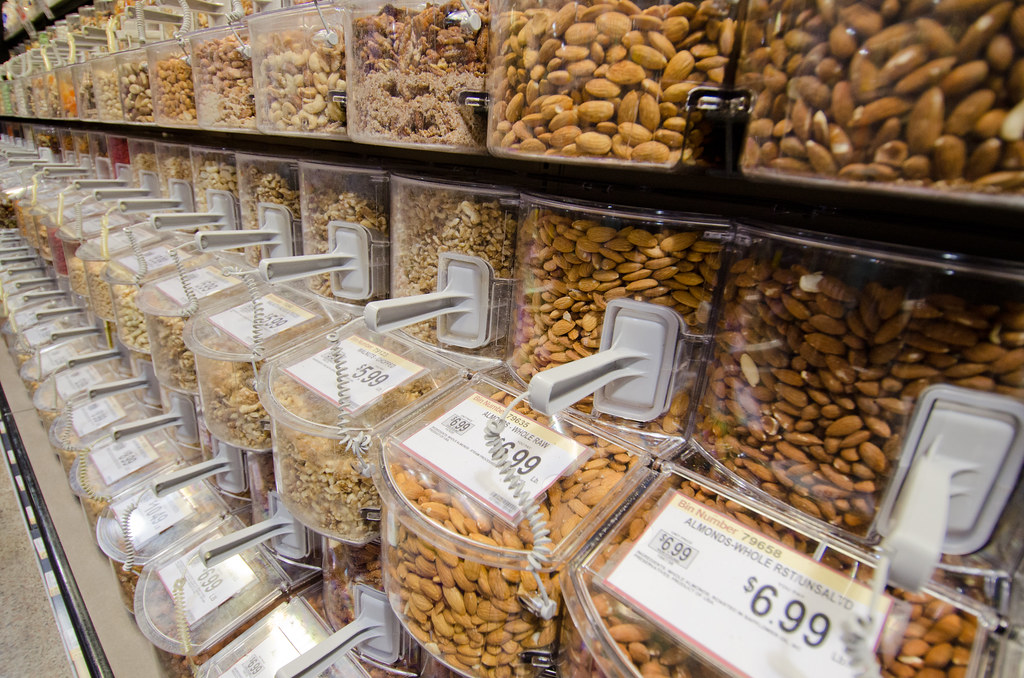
607,79
927,93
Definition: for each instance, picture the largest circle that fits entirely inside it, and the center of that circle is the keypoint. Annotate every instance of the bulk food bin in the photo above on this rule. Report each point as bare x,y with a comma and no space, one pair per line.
298,58
100,154
85,92
133,83
452,525
145,170
444,230
167,302
74,234
931,96
825,348
635,605
40,97
107,89
49,331
408,64
344,234
66,90
97,253
55,357
213,606
584,263
71,384
215,179
609,84
174,99
81,423
268,195
137,526
230,341
320,466
222,75
126,274
175,170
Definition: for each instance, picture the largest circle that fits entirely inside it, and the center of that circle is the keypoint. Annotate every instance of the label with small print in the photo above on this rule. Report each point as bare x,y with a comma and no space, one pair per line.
278,315
121,458
57,356
155,258
117,241
73,382
718,585
263,661
93,416
372,372
203,281
152,515
26,317
38,335
453,445
206,588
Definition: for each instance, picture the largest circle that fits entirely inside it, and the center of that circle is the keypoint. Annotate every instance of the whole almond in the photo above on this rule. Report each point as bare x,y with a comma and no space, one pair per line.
678,68
675,28
903,63
840,42
593,143
978,34
924,125
564,136
648,57
626,73
614,25
633,133
596,111
967,112
821,160
925,76
565,17
652,152
989,124
581,34
602,88
649,113
844,426
629,107
662,44
965,78
950,157
842,103
879,110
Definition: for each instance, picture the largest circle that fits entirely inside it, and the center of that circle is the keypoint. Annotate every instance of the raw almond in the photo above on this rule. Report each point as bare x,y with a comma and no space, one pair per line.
596,111
581,34
678,68
629,107
652,152
964,79
626,73
633,133
648,57
924,125
614,25
968,111
879,110
649,114
950,157
564,136
593,143
602,88
925,76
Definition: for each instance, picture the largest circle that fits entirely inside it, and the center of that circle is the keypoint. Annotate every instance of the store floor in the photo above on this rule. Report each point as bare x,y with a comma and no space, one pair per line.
28,631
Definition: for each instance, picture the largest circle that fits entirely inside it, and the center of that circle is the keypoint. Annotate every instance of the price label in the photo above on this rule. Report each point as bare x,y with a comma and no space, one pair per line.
152,516
720,586
278,315
453,445
92,416
117,241
203,281
38,335
372,372
119,459
73,382
206,588
155,258
263,661
26,317
54,357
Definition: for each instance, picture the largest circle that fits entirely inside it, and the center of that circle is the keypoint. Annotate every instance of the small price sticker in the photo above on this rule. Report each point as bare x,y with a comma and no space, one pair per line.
718,585
278,315
206,588
263,661
73,382
93,416
203,281
52,357
372,372
119,459
152,515
155,258
453,445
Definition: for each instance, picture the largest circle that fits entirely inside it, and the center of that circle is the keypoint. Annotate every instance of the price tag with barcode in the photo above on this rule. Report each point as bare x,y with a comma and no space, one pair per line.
719,586
155,258
51,358
203,281
269,655
454,446
119,459
206,588
73,382
152,515
38,335
91,417
372,372
278,315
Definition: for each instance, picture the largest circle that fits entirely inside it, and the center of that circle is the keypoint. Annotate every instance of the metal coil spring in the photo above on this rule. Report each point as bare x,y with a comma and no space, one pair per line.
181,621
83,475
541,550
358,442
140,22
126,532
78,217
133,242
193,303
67,430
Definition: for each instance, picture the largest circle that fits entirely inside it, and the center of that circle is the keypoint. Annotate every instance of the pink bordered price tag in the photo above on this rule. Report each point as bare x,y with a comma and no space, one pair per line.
119,459
372,372
206,588
278,315
718,585
453,445
203,281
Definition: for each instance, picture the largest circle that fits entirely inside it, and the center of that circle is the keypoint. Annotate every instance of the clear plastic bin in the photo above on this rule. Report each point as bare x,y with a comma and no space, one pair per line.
319,476
105,85
298,72
54,356
19,94
349,194
174,165
213,169
133,81
145,170
430,217
823,347
164,302
271,180
928,95
408,63
42,101
60,388
608,84
454,562
85,93
223,78
66,91
260,467
613,633
73,235
95,254
227,357
174,99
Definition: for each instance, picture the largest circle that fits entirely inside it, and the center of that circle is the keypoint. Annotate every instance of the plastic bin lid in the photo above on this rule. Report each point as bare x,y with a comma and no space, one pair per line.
215,600
156,524
118,244
125,266
91,226
165,296
113,467
54,357
573,470
70,385
91,418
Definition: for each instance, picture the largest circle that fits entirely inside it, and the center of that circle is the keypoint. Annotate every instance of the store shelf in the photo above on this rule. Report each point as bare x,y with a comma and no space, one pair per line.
97,629
985,226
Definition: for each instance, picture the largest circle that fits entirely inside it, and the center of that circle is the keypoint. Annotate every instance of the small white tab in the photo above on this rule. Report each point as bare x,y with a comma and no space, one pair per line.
277,220
235,479
149,181
355,281
223,204
180,190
